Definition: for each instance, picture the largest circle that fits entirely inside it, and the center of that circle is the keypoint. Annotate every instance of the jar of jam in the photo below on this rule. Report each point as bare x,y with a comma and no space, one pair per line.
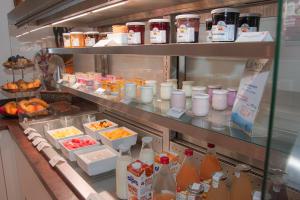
224,24
249,22
159,31
187,28
136,32
91,38
77,39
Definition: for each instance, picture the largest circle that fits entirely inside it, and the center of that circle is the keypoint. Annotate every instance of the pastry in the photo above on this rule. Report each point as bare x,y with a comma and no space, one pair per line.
11,108
39,101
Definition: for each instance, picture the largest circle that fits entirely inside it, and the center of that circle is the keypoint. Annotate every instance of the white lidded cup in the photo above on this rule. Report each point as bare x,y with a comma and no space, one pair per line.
219,99
178,99
187,87
200,105
196,90
153,84
166,90
146,94
174,83
130,90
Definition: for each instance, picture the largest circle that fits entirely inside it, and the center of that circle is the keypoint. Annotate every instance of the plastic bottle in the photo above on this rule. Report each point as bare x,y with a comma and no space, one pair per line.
147,153
278,188
241,187
164,185
210,163
218,189
123,161
187,174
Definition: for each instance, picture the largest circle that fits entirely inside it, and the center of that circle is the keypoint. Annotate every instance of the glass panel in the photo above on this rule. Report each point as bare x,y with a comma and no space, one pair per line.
283,169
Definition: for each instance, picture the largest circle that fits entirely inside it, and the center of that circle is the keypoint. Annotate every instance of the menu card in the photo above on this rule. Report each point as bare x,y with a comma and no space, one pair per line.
250,93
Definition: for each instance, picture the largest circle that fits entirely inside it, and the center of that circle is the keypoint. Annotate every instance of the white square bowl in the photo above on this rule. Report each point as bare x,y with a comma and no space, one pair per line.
129,140
54,141
70,154
95,133
93,164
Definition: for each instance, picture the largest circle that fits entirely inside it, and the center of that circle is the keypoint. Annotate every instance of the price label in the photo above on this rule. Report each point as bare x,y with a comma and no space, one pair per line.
38,140
42,145
55,160
176,113
94,196
126,101
33,135
76,86
28,130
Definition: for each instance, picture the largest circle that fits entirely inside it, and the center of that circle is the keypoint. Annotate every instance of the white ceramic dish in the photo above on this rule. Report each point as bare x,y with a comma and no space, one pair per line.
97,159
54,141
70,154
129,140
95,133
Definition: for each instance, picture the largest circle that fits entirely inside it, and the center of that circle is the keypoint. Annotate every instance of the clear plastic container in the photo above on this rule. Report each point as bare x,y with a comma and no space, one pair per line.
147,153
91,38
188,26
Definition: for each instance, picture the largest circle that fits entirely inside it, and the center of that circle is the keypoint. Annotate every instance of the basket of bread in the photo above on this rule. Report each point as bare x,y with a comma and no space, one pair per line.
21,86
18,62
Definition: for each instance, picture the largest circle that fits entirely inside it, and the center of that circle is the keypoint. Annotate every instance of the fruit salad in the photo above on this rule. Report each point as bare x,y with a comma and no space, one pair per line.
67,132
96,126
76,143
117,134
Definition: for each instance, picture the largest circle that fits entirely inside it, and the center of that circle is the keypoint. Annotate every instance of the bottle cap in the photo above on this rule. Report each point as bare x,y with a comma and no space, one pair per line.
210,145
188,152
164,160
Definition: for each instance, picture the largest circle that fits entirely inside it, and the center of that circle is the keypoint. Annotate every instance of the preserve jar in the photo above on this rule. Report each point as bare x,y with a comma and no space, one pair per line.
174,83
146,94
200,105
166,90
77,39
91,38
210,90
187,87
178,99
249,22
219,99
224,24
187,28
153,84
198,90
67,40
159,31
130,90
231,95
136,32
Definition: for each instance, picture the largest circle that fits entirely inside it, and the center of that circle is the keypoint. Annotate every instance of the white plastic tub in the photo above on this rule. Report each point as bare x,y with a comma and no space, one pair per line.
95,133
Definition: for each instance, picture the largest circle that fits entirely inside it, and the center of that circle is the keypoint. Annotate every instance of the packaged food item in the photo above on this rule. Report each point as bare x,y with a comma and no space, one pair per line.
178,99
164,185
153,84
67,40
188,26
210,90
147,153
130,90
241,187
231,95
200,105
140,179
159,31
91,38
210,163
136,32
174,83
187,87
187,175
119,29
249,22
123,161
146,94
77,39
219,99
166,90
218,189
173,162
224,24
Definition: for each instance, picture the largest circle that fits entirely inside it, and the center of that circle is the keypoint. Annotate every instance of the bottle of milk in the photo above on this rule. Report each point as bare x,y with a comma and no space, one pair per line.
123,161
147,153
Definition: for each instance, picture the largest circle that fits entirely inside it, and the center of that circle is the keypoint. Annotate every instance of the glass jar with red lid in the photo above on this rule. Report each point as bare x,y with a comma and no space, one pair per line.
159,31
136,32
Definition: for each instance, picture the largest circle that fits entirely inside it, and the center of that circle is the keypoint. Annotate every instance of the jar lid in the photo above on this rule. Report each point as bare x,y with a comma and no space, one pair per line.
76,33
130,84
166,84
231,89
164,160
187,16
225,10
172,80
178,92
201,96
150,81
214,86
66,33
92,32
220,91
135,24
250,15
201,88
187,82
146,87
159,20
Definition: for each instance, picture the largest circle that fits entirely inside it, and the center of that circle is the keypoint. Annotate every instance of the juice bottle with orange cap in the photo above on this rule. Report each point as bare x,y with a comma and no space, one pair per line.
210,163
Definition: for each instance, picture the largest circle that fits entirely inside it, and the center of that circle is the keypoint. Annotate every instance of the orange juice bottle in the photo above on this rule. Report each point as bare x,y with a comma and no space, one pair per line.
241,187
210,163
188,173
218,189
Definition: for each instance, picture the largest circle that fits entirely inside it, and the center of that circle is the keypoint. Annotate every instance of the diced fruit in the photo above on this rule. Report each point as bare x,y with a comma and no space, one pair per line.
65,133
100,125
76,143
117,134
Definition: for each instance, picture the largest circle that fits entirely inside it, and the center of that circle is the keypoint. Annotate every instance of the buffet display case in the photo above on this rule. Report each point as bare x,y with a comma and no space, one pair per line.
250,110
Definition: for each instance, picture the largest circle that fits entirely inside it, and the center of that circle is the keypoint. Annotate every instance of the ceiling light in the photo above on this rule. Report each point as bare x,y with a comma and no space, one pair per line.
39,28
69,19
110,6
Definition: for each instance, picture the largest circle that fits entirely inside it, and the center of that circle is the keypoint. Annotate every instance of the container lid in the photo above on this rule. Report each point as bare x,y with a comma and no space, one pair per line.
76,33
146,87
150,81
172,80
201,96
135,24
130,84
164,160
92,32
147,139
159,20
66,33
187,16
220,91
187,82
214,86
231,89
250,15
178,92
166,84
223,10
188,152
201,88
210,145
